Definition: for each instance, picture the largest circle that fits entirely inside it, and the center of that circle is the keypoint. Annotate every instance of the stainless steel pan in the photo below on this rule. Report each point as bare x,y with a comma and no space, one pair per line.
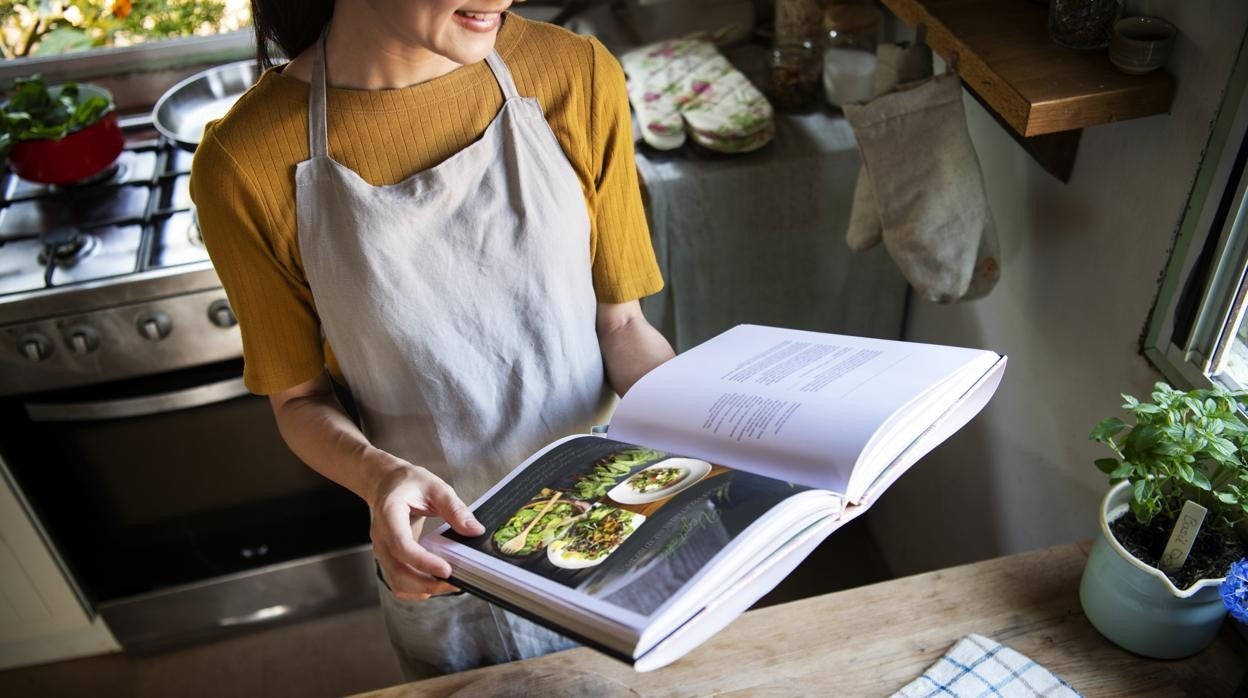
183,111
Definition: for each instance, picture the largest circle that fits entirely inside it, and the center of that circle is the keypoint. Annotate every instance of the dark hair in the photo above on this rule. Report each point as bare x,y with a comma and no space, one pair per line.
291,25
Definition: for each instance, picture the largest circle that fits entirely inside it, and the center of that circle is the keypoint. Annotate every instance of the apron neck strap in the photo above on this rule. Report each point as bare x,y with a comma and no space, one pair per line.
502,74
318,133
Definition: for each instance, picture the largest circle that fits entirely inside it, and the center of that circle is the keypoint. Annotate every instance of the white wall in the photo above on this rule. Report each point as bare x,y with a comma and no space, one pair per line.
1080,270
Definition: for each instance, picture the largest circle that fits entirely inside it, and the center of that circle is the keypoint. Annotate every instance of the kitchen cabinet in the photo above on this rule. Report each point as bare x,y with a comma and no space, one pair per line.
41,616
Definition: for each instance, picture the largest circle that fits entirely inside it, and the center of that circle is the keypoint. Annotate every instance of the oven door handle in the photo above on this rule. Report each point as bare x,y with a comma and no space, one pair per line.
159,403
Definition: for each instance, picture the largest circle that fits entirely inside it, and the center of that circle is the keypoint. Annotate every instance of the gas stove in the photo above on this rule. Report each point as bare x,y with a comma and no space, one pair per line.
108,278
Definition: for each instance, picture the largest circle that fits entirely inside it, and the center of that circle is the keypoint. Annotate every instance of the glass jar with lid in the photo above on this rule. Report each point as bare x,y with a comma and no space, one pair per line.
798,20
852,26
795,71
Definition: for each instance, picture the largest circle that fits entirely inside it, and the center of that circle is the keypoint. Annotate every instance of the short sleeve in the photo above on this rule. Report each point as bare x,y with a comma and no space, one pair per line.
624,265
267,291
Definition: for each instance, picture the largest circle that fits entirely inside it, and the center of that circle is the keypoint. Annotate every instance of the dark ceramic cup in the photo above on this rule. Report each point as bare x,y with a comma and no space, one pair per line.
1141,45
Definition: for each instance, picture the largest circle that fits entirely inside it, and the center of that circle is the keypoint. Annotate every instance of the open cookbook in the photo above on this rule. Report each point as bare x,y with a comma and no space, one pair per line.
722,469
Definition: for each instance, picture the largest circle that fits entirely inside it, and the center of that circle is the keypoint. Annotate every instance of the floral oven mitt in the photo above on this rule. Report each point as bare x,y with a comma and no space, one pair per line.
686,86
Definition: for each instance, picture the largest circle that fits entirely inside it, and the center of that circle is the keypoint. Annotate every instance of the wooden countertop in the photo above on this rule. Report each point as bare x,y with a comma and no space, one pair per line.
873,640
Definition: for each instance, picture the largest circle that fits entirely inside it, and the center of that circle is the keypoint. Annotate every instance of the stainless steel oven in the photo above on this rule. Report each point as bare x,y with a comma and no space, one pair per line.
179,510
162,483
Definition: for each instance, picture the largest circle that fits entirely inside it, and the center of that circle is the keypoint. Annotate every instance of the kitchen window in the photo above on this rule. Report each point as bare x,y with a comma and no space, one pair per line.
79,39
1198,332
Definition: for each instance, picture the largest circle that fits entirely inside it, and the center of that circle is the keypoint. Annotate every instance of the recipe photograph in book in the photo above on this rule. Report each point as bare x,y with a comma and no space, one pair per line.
587,515
724,468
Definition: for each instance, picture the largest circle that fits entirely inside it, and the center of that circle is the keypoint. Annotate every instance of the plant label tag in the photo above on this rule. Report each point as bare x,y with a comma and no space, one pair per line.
1183,535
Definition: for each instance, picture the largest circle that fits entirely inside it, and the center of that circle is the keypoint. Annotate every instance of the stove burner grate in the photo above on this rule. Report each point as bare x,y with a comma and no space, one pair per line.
69,233
65,247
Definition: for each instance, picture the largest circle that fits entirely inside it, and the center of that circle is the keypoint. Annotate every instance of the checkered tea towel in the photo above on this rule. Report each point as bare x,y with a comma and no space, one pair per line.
977,666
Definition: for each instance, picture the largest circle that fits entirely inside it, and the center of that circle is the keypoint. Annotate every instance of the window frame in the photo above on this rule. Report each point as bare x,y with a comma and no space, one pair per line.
149,56
1210,254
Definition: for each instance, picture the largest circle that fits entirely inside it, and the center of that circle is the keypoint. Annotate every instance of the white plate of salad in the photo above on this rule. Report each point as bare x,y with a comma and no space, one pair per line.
659,481
593,537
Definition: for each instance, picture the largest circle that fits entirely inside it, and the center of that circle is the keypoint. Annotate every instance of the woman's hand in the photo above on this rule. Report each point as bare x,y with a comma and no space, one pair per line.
399,494
405,495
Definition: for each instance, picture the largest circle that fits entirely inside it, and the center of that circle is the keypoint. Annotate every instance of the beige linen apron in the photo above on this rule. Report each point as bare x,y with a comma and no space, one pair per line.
460,306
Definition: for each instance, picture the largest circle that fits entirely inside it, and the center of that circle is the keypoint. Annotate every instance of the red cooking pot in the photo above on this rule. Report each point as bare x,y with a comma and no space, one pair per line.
75,157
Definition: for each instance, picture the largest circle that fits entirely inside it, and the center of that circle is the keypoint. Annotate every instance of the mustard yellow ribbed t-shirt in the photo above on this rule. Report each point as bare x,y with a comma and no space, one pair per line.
242,179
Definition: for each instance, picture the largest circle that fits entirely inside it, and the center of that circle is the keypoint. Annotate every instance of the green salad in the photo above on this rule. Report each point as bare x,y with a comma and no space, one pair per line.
599,534
552,523
34,113
609,469
655,479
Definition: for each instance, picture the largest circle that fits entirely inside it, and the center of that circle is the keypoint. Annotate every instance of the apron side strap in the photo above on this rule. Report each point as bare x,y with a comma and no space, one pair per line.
502,74
318,132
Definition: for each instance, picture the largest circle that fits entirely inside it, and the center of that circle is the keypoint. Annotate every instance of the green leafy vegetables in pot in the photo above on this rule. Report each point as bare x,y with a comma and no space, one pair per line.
609,469
550,526
34,113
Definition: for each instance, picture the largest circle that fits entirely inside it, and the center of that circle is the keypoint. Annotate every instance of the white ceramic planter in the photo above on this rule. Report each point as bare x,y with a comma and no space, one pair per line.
1136,606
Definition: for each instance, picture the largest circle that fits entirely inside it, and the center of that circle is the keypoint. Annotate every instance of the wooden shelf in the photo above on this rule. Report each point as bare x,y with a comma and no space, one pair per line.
1004,55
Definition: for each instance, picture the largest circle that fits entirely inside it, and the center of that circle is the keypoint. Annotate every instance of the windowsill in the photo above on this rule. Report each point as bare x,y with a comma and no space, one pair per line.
155,56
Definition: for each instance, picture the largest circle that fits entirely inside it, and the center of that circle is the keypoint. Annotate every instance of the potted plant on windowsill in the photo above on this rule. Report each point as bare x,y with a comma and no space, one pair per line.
1184,446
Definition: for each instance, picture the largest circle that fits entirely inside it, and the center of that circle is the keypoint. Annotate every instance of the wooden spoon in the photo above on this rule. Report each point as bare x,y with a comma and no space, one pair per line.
514,545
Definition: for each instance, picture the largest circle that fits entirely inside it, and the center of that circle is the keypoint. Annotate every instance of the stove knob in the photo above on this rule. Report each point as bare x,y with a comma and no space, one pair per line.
221,314
155,326
34,346
82,339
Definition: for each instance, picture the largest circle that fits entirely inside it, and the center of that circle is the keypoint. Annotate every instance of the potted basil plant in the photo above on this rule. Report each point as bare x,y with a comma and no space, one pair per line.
1183,447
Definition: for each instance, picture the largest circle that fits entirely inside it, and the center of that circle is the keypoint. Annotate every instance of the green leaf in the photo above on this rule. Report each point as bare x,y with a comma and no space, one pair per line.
62,40
32,113
1107,428
1122,472
1107,465
1226,497
1143,510
1186,472
1201,480
88,112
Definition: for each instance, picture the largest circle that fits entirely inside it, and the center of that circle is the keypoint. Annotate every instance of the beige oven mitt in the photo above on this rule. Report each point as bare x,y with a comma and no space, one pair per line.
928,188
895,64
686,87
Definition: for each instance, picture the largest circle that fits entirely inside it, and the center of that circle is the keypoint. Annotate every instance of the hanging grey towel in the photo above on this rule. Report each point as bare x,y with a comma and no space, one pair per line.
928,189
895,64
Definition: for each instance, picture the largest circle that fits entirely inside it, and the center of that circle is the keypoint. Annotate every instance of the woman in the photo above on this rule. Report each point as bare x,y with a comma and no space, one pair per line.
435,203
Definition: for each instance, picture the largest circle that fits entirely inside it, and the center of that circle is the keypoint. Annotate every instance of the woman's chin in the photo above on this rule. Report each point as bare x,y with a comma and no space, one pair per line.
471,49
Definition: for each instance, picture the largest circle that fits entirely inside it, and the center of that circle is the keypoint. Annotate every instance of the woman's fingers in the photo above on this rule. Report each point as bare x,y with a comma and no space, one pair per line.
412,571
400,540
443,502
409,584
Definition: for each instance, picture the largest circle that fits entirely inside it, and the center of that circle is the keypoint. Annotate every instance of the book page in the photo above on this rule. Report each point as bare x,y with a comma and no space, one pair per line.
793,405
628,527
